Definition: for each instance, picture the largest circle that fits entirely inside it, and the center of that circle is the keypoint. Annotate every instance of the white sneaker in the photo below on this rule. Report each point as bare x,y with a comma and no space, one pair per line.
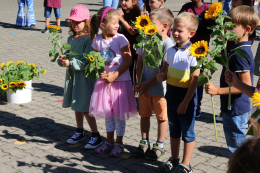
219,118
94,143
256,3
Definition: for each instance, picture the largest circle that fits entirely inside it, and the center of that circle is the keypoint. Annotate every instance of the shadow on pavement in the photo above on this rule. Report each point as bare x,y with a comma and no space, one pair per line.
57,134
90,4
11,25
217,151
206,118
42,87
62,23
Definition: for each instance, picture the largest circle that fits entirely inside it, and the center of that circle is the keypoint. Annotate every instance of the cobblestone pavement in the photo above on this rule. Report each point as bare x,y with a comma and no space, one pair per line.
45,125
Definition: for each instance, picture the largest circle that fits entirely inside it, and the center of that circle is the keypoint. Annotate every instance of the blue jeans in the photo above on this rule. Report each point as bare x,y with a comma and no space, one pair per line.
227,6
30,17
111,3
47,12
235,129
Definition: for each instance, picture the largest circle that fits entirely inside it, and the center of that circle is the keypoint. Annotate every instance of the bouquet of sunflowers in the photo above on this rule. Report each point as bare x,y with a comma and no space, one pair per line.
149,40
95,64
14,75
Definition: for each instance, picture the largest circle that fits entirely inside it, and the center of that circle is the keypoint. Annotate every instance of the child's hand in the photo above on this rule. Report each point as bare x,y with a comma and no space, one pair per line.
61,58
159,77
103,75
136,89
121,13
143,87
211,89
66,62
146,13
231,78
182,108
110,78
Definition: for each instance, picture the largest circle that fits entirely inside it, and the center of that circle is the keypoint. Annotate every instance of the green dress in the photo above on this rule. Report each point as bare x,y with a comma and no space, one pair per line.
77,94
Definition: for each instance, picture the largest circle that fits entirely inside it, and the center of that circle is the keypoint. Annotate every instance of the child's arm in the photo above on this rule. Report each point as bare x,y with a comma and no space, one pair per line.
163,75
128,27
191,90
235,82
213,90
123,67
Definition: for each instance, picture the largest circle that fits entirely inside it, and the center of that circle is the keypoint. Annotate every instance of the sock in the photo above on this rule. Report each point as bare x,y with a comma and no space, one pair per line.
175,161
58,25
46,25
160,144
80,130
95,134
146,140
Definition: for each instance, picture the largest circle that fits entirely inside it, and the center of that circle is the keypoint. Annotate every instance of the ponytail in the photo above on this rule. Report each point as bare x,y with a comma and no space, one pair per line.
93,27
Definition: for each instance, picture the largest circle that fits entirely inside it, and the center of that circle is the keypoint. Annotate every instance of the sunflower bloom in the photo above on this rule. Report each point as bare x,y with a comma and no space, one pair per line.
53,27
20,84
18,62
2,64
199,49
4,87
44,72
12,84
1,80
256,99
10,62
91,58
213,10
33,64
142,22
151,30
28,64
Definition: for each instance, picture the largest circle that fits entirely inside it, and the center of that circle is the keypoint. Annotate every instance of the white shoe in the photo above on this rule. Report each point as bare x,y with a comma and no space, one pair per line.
219,118
256,3
94,143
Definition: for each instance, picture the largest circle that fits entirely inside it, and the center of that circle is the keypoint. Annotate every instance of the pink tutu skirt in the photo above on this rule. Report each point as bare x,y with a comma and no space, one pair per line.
119,102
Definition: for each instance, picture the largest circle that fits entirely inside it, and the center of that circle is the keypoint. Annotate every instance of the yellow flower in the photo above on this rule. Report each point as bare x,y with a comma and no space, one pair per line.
33,64
12,84
2,64
150,30
91,58
199,49
18,62
20,84
1,80
10,62
44,72
4,87
213,10
28,63
142,22
53,27
256,99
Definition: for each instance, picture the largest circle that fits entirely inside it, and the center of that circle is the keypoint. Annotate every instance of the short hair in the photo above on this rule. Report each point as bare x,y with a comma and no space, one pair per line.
163,15
190,20
245,16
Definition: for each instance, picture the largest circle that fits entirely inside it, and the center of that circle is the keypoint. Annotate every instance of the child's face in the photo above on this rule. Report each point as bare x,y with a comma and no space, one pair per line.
236,3
78,27
158,24
239,30
112,26
180,32
127,4
155,4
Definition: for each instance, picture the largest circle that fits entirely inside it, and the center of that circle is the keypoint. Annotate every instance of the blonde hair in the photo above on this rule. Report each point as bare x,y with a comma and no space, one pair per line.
163,15
86,29
190,20
245,16
96,21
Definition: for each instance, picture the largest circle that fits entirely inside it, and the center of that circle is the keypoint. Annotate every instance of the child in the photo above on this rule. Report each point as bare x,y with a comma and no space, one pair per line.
30,17
113,96
234,120
150,91
155,4
180,95
129,10
77,93
48,6
198,8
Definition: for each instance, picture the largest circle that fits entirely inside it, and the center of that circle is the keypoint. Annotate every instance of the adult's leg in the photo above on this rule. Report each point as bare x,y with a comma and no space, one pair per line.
115,3
30,17
20,20
107,3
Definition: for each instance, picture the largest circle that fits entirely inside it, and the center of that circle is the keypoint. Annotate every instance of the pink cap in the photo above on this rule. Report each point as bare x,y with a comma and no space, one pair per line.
79,13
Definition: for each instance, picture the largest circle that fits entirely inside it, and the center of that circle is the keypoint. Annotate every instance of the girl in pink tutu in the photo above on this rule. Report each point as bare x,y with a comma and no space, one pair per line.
113,97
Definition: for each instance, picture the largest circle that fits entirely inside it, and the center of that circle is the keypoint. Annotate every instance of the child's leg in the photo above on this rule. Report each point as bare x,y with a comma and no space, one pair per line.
162,130
187,152
110,128
47,15
57,15
175,147
79,119
92,122
145,127
120,130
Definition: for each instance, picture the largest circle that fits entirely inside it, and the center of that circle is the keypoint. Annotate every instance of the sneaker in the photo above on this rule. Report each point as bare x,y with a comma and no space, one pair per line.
218,118
155,153
60,31
107,146
76,138
142,149
117,150
181,168
45,30
256,3
169,165
94,143
198,113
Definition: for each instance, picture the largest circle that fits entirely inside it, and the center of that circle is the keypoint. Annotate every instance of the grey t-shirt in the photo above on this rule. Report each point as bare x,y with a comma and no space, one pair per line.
149,72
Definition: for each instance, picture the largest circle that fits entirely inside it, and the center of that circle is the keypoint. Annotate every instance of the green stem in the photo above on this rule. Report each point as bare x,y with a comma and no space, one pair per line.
213,109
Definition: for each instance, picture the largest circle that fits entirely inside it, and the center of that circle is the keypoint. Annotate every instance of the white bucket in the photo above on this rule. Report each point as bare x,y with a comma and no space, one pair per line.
21,96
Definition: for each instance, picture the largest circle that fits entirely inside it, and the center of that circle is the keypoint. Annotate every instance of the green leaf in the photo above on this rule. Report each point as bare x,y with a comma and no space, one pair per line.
203,79
92,75
255,114
216,33
101,69
242,53
139,38
229,24
214,27
213,65
193,69
250,131
136,46
66,46
55,57
149,60
222,60
91,67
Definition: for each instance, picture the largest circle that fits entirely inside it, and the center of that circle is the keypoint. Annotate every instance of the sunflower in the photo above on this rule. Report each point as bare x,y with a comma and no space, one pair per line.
1,80
4,87
10,62
150,30
2,64
18,62
142,22
256,99
33,64
213,10
12,84
20,84
44,72
53,27
28,63
91,58
199,49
